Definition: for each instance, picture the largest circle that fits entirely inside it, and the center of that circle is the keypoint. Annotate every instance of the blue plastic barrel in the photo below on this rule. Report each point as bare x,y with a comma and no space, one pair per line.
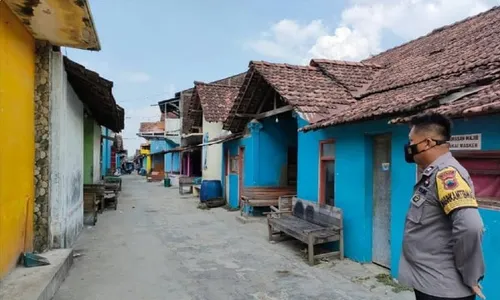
210,189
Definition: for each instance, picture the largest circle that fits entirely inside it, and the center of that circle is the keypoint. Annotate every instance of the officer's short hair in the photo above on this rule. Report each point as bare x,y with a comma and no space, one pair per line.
435,122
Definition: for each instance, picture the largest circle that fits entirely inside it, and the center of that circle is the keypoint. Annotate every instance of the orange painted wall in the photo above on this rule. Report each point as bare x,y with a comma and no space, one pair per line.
17,155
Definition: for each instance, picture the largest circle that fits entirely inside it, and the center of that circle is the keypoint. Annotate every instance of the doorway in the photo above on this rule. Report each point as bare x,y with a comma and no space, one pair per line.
381,236
241,160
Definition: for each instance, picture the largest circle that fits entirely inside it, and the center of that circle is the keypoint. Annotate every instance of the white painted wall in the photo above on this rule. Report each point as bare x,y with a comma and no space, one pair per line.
66,159
173,130
97,153
172,126
213,152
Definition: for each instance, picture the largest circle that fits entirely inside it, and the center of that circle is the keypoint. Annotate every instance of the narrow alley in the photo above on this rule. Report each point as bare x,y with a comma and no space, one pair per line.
159,245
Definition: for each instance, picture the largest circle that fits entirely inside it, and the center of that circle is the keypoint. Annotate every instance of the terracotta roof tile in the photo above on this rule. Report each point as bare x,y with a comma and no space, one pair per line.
216,100
485,101
408,98
307,88
465,44
192,118
355,77
304,87
418,73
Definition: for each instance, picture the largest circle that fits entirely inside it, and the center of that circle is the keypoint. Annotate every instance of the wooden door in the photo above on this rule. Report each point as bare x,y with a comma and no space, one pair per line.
381,239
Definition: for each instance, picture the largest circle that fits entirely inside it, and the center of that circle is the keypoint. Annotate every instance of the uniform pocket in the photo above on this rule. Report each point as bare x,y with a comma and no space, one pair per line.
416,208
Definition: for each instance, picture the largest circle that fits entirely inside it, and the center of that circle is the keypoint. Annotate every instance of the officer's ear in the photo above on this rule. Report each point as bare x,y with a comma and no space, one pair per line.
430,143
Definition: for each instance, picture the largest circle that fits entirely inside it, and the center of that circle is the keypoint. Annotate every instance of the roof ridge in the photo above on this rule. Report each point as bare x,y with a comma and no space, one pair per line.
336,81
434,31
457,70
344,62
282,65
215,84
366,86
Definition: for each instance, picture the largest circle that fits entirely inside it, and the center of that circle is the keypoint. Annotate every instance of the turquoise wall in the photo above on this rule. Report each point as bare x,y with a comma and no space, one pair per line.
265,154
353,185
160,145
353,182
106,151
172,160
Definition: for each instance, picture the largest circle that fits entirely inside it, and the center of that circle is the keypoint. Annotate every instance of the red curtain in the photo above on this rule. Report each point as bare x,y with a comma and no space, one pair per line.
485,174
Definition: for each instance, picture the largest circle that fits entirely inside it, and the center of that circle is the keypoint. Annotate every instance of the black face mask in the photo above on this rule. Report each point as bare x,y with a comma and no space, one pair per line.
412,149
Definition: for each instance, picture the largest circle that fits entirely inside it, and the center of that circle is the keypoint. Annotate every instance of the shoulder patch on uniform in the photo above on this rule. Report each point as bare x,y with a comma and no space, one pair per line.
449,178
453,191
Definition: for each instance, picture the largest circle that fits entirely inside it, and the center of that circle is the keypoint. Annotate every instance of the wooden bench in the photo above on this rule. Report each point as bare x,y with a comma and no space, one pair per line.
111,196
96,189
112,189
265,196
310,224
90,207
115,180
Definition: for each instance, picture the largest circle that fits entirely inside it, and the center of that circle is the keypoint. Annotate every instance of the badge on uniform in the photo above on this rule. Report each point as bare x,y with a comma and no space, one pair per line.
449,179
415,198
418,200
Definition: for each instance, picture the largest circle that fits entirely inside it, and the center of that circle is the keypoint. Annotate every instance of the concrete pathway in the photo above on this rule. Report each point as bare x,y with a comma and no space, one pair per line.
158,245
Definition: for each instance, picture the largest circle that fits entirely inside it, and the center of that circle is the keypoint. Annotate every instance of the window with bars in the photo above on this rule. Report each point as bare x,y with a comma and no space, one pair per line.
327,172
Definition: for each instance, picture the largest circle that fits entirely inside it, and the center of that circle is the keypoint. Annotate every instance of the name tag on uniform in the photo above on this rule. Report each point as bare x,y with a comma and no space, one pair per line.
422,191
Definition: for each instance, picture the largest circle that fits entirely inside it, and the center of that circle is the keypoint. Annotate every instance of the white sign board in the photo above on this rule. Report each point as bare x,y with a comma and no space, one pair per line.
465,142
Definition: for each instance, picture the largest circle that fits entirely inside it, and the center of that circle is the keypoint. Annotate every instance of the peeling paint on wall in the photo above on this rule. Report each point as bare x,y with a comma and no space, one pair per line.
60,22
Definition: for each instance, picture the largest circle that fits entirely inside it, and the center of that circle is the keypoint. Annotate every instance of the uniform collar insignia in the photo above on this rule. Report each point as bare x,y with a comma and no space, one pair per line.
430,169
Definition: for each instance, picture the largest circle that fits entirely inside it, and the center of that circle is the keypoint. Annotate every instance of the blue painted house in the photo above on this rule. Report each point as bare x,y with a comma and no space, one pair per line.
261,158
275,97
352,155
167,162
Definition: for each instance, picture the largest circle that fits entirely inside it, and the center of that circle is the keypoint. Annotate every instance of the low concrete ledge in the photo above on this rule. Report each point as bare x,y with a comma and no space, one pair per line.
38,283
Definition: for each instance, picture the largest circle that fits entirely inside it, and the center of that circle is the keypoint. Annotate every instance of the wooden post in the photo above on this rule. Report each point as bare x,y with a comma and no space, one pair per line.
310,248
270,229
172,163
189,164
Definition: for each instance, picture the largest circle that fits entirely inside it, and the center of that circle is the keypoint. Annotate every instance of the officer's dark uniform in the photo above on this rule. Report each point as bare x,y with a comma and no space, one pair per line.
442,253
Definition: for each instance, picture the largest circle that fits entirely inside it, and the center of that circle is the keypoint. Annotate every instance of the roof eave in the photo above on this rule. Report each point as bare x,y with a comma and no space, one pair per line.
60,22
96,93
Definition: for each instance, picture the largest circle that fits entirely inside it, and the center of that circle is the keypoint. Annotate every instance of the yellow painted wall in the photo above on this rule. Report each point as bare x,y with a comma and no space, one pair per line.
148,158
17,156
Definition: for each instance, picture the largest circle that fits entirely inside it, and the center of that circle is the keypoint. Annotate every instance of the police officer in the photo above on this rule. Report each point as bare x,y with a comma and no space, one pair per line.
442,246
